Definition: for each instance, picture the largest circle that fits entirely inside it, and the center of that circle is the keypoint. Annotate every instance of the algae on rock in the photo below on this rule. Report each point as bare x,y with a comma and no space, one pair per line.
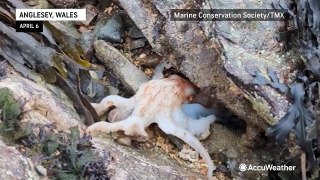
10,111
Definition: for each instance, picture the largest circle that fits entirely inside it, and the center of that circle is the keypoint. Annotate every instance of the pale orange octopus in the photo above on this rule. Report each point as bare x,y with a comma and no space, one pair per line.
158,101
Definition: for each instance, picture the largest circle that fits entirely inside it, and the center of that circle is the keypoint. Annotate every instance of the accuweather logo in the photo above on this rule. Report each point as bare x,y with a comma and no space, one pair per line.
266,167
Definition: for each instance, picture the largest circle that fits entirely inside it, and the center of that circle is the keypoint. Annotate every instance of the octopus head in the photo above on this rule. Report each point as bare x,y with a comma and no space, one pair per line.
188,89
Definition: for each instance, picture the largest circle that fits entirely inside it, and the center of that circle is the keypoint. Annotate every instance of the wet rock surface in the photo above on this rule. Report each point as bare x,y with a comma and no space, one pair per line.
223,69
139,43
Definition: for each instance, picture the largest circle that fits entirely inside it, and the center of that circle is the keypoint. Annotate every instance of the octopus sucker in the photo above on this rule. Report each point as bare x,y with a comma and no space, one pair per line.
165,102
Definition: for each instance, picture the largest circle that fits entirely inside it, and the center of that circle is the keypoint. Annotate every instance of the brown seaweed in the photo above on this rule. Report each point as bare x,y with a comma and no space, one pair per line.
297,118
77,102
300,118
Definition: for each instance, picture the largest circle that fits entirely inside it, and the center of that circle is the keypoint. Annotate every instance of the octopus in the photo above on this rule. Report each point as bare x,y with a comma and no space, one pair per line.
165,102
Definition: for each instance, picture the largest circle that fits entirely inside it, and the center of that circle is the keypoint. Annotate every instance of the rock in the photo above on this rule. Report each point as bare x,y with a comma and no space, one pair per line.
13,165
141,163
182,26
63,3
135,33
221,70
91,13
43,106
41,170
86,41
229,143
129,75
188,154
89,37
103,4
246,55
150,60
112,31
91,2
135,44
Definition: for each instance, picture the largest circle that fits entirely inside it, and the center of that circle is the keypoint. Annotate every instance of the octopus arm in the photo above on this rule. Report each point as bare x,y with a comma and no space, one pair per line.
170,128
132,126
199,126
191,120
196,111
109,101
158,72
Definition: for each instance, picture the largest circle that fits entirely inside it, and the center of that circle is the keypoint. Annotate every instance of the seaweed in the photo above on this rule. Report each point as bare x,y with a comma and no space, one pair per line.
10,112
302,119
285,37
76,157
297,118
314,20
65,156
312,54
273,82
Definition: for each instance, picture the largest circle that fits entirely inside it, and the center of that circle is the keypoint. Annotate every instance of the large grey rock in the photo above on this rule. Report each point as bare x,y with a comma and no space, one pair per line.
253,48
15,166
42,106
140,163
221,69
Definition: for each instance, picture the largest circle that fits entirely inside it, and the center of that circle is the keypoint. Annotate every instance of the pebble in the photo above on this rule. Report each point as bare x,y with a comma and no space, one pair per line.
112,31
41,170
150,60
139,43
135,33
125,141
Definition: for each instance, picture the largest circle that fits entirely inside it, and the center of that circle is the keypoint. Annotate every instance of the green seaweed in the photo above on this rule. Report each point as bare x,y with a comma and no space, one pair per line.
10,111
66,156
75,155
58,64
